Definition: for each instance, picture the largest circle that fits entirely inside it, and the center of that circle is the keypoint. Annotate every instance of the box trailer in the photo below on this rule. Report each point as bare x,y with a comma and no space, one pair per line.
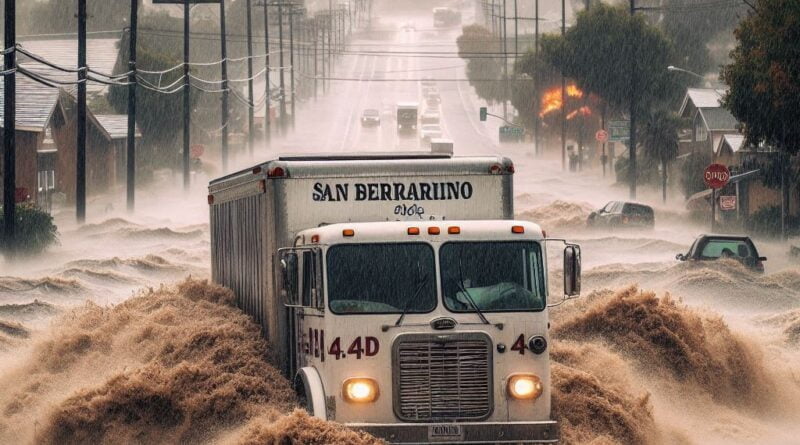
396,290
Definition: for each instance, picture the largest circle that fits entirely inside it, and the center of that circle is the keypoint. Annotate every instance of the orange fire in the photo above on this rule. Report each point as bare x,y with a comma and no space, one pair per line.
551,99
582,111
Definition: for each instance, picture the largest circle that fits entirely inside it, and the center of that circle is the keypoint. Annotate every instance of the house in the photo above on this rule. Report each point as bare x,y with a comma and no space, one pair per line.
709,121
35,156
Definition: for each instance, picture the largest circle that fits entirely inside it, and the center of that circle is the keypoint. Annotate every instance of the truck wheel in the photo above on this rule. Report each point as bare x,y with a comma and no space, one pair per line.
308,386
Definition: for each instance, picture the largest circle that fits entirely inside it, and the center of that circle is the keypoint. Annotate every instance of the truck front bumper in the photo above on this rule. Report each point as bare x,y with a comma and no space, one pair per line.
462,432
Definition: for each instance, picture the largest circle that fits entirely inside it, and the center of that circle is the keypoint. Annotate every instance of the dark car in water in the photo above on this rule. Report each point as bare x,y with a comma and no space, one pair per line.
622,214
714,247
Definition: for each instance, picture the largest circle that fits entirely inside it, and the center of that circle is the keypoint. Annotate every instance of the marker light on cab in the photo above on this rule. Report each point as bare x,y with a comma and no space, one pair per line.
360,390
524,386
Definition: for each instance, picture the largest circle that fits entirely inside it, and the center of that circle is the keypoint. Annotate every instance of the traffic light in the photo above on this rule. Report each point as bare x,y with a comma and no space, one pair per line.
484,113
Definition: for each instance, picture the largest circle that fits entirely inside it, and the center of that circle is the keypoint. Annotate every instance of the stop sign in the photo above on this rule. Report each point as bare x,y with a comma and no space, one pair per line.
601,135
716,176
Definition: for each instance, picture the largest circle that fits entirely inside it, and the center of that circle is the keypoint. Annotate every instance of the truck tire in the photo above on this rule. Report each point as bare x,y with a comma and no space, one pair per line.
308,386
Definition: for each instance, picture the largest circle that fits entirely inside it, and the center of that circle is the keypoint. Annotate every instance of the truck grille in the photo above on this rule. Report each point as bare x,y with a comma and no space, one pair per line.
442,377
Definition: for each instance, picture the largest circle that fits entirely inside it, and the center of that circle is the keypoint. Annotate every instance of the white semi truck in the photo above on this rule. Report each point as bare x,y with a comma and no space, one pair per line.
396,291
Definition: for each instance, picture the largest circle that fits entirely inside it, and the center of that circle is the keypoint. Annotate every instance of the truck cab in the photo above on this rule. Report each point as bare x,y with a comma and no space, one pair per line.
425,331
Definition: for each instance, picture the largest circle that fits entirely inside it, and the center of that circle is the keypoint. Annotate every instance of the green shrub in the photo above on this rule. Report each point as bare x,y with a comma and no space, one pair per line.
35,230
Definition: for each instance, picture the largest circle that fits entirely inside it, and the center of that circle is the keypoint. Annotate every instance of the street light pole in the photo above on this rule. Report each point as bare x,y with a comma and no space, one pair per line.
131,143
632,137
224,68
80,180
267,106
9,130
187,112
250,94
563,95
282,79
291,60
538,97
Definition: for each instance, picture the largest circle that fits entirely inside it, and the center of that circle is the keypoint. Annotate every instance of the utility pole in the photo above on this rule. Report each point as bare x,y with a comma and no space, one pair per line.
505,64
250,110
9,129
291,60
282,80
536,119
224,68
315,31
80,181
131,155
516,32
563,96
187,119
632,148
267,107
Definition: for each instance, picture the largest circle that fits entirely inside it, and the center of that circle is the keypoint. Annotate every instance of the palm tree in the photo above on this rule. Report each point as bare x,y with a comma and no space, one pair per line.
660,139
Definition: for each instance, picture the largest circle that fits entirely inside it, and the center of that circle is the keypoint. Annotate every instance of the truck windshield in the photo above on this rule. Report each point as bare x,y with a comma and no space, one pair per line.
381,278
497,276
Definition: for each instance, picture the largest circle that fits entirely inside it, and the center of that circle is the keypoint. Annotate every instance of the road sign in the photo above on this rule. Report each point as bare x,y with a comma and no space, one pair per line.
483,114
716,176
727,202
601,136
619,131
197,150
511,134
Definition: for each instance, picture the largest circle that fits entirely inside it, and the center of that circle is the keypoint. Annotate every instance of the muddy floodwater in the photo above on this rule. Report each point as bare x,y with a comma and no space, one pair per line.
120,337
117,335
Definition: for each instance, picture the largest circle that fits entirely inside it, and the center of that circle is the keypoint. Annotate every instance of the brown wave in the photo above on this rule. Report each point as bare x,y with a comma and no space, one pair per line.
28,311
667,339
14,329
111,224
300,428
558,215
48,284
170,365
159,233
147,263
788,322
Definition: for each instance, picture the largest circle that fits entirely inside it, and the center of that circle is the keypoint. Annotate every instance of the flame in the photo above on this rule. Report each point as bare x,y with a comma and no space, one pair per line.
551,99
582,111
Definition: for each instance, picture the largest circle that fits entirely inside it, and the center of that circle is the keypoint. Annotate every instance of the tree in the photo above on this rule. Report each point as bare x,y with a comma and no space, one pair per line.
480,48
598,49
660,140
764,81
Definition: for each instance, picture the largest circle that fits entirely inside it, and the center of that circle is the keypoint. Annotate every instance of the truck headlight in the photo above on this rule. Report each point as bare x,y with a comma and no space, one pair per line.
524,386
360,390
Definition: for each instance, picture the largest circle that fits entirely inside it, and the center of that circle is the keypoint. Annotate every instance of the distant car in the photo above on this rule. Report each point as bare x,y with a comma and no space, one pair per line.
428,82
430,117
433,100
430,131
622,214
370,117
714,247
409,26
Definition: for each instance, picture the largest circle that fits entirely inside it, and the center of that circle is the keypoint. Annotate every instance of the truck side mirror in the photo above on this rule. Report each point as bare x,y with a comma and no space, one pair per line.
680,257
572,271
289,278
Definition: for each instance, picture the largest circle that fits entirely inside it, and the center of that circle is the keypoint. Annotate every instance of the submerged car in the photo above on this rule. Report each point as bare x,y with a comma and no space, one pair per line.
714,247
370,117
622,214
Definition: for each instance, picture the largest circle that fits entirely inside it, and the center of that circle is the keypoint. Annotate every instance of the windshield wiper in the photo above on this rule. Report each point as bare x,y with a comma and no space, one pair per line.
407,306
468,296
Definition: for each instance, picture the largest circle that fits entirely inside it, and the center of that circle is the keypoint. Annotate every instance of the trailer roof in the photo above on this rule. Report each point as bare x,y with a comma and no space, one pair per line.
365,156
378,165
